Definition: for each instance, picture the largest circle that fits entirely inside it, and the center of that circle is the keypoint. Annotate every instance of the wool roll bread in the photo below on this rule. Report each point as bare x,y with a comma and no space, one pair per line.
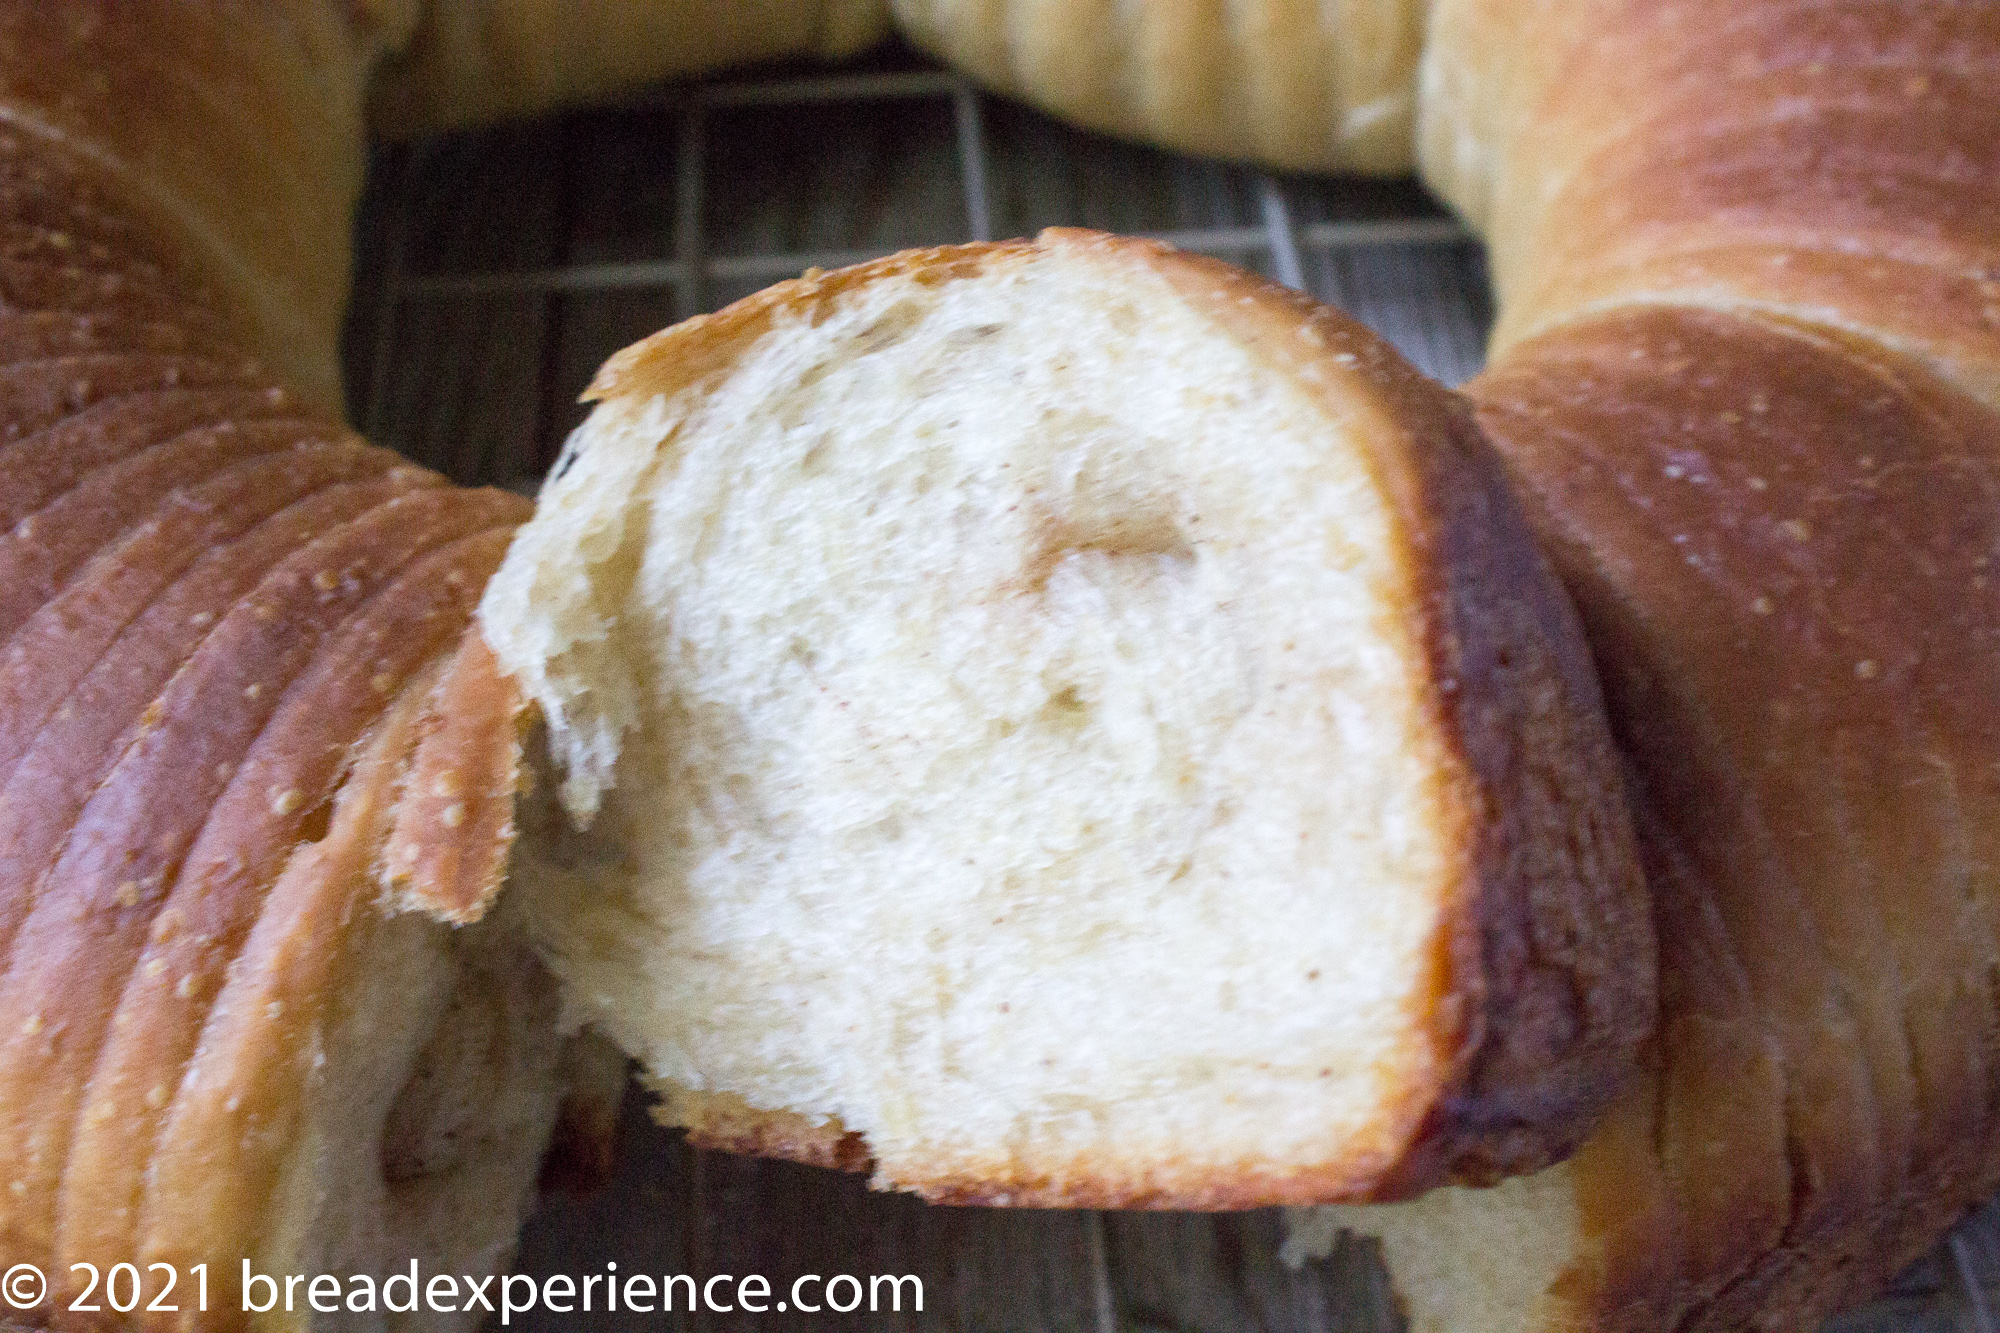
997,825
470,61
1302,86
252,767
1070,723
1744,377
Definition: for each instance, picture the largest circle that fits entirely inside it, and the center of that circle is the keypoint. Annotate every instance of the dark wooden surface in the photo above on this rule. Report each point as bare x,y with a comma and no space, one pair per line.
497,269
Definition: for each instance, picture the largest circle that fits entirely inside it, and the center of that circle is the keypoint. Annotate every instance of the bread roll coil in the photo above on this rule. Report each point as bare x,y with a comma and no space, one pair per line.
1744,384
233,635
1743,377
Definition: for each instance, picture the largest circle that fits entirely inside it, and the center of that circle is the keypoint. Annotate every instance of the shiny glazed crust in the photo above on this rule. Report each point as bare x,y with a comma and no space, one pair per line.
1834,163
230,631
1544,971
1797,632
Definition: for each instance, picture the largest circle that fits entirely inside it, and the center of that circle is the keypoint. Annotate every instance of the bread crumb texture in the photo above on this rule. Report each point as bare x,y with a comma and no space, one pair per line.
998,722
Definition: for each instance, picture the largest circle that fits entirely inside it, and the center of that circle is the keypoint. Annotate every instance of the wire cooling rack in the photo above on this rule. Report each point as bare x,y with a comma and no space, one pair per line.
495,270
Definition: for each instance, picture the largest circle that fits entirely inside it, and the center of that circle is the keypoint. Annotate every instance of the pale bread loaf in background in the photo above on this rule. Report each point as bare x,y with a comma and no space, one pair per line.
465,62
1303,85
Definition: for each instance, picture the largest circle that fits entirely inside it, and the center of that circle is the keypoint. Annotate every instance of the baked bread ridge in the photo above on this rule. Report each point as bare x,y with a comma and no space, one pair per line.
231,636
468,62
1816,794
230,139
1744,377
1534,982
1830,163
1299,86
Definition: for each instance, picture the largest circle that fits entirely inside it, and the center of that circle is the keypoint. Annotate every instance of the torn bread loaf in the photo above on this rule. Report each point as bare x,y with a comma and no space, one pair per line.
1071,723
236,1020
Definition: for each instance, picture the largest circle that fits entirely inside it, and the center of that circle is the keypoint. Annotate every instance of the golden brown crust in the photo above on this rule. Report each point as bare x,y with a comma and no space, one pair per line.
222,621
1749,309
1835,162
471,61
42,463
1295,84
50,547
207,1188
1781,542
455,823
699,349
215,104
167,860
1547,986
723,1122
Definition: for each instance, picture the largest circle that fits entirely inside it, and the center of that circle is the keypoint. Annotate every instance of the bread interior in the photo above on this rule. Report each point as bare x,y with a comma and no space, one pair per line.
424,1135
1465,1258
997,716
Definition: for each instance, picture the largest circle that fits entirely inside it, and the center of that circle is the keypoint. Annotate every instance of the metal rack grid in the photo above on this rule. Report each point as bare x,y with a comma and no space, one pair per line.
496,269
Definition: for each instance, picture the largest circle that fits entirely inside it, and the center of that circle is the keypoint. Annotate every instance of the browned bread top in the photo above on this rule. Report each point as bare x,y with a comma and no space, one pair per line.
1745,377
230,633
1782,542
1835,163
1302,86
1800,631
